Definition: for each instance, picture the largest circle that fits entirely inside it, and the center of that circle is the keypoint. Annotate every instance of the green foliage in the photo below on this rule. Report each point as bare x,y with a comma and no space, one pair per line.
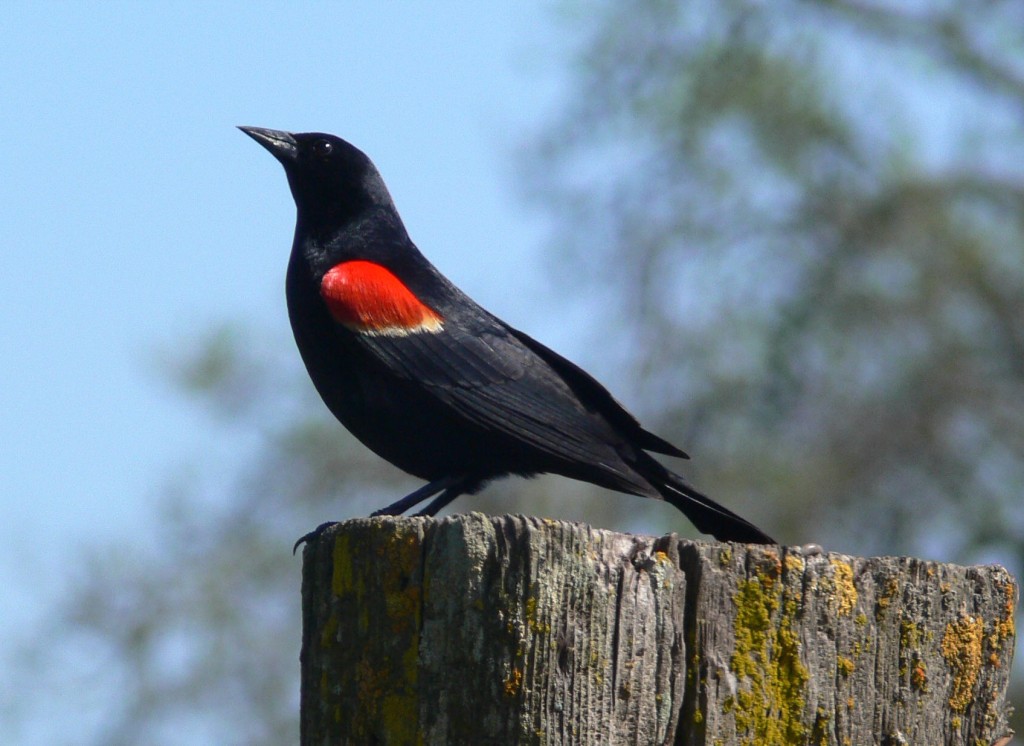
808,218
191,634
819,268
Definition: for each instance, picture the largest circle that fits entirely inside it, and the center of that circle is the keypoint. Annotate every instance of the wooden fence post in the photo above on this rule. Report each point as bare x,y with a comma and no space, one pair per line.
505,630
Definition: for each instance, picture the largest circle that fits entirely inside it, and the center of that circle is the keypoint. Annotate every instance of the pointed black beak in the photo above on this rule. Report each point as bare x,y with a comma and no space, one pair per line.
280,144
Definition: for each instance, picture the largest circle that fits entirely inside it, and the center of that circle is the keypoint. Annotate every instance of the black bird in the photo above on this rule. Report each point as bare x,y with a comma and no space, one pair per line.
428,379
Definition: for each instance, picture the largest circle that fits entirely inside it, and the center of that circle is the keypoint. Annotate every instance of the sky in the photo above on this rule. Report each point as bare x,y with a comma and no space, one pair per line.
135,216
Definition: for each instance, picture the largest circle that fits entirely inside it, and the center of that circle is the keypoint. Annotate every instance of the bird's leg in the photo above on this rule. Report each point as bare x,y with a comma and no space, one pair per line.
452,486
441,501
417,496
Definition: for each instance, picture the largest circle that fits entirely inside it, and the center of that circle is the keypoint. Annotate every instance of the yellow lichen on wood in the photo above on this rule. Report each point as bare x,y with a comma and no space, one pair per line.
919,677
403,597
514,682
892,587
450,632
795,563
388,705
342,578
845,591
961,647
1005,629
769,705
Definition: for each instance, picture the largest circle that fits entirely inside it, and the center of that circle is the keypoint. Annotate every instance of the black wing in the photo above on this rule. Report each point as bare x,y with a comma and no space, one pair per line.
490,377
590,390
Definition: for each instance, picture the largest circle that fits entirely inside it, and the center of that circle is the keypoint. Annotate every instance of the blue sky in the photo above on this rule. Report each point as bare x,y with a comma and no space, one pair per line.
135,215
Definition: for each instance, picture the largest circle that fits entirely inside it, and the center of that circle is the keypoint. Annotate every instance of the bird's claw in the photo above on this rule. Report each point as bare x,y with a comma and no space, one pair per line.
314,534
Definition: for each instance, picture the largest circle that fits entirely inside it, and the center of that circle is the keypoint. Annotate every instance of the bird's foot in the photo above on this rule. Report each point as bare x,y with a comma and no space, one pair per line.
314,534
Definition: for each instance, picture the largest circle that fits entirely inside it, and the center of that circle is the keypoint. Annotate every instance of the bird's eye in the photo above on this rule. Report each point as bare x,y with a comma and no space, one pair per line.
323,148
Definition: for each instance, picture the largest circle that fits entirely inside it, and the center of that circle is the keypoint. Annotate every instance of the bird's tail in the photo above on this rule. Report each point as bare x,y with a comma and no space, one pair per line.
708,516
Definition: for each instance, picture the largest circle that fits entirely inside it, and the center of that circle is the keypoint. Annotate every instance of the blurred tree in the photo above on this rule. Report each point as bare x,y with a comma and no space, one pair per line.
810,215
193,636
808,219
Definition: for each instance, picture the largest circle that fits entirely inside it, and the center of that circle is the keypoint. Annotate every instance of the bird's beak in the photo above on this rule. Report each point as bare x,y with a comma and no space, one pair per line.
280,144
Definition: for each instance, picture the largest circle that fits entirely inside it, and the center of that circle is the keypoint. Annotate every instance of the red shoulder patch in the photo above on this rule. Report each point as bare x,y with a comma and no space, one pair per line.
368,298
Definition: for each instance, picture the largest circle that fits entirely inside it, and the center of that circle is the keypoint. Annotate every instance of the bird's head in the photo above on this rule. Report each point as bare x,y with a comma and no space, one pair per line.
333,182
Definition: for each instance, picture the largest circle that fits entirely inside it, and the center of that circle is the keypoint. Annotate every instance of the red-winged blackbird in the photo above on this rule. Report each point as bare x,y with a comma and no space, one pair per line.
428,379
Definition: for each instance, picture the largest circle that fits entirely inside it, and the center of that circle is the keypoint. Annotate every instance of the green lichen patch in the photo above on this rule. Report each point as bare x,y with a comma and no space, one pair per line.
382,703
794,563
770,703
819,734
725,557
342,579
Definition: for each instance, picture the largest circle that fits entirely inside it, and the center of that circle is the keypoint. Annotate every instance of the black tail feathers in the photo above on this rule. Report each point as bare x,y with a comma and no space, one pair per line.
708,516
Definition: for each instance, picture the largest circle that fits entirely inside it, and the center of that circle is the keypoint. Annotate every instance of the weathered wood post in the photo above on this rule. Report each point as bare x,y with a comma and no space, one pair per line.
505,630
